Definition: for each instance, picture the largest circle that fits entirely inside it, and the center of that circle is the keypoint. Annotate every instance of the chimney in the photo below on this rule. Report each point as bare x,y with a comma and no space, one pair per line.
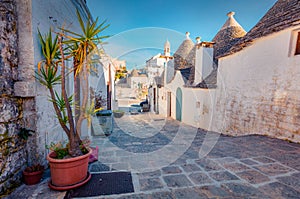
198,40
203,61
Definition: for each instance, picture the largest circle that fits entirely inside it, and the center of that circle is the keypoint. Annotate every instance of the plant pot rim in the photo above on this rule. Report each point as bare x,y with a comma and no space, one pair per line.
71,159
32,173
68,187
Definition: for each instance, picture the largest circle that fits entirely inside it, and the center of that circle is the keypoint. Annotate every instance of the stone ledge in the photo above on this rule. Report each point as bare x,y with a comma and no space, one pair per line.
24,89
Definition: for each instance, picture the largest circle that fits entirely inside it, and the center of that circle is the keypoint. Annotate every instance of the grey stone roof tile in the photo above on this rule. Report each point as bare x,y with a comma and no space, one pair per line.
210,81
180,56
229,34
185,72
283,14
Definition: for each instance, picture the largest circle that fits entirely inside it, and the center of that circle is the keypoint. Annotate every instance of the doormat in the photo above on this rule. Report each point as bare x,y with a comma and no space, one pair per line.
104,184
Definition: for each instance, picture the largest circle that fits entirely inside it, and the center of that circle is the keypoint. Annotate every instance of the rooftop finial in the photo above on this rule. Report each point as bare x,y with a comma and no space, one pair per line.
198,39
187,34
230,14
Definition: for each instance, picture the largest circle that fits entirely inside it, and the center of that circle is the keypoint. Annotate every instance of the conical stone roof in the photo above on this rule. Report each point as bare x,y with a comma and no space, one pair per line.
182,52
229,34
283,14
134,73
191,61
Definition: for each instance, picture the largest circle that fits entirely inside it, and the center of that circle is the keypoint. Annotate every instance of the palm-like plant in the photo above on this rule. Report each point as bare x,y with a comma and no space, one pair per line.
65,45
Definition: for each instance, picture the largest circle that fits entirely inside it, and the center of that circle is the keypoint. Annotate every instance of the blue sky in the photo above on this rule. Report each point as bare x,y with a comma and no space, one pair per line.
139,28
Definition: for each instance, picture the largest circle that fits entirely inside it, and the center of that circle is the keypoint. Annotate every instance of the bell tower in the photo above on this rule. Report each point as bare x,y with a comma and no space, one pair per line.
167,49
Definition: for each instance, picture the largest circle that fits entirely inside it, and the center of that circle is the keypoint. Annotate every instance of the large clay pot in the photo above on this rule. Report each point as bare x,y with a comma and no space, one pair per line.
68,172
31,178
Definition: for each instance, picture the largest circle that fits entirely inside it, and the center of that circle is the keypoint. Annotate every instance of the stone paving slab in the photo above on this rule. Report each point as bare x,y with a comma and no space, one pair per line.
179,180
279,190
150,184
190,168
236,167
273,169
223,176
200,178
253,176
209,165
292,181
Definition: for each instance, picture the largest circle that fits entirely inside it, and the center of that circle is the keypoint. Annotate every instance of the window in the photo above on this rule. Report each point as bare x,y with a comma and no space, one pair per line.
297,52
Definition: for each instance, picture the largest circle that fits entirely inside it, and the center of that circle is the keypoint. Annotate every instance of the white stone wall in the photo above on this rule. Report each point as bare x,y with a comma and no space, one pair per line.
172,87
135,81
258,89
197,107
162,101
197,104
50,14
155,67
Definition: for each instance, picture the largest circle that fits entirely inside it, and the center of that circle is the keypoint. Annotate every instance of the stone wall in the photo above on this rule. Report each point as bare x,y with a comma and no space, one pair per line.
43,16
258,89
24,102
12,149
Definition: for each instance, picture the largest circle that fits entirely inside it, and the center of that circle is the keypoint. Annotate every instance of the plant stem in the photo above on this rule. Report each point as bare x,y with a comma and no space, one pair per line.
85,90
72,150
58,113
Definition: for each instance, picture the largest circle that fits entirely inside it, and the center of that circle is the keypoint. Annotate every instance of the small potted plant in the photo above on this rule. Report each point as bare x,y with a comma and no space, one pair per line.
118,113
33,174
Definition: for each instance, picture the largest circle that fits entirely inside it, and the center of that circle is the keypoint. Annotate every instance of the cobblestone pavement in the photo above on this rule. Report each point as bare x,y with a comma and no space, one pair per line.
168,159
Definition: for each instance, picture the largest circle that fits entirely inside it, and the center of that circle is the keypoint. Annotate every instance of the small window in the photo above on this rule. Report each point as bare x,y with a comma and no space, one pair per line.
297,52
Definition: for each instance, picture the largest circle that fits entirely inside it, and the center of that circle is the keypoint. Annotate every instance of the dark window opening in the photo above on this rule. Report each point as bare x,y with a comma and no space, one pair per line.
298,45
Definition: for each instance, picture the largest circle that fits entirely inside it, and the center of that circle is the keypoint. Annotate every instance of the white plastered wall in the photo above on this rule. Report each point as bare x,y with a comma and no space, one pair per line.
258,89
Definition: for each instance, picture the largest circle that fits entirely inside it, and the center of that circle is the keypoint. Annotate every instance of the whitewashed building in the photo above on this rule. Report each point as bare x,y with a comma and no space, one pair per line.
240,83
24,102
136,80
261,76
156,64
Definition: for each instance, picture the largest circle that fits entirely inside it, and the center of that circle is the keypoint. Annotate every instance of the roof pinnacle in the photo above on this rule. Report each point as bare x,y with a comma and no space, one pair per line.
187,34
230,14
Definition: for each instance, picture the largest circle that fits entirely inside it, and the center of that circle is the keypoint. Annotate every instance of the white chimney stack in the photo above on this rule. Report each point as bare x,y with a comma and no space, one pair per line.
203,61
187,34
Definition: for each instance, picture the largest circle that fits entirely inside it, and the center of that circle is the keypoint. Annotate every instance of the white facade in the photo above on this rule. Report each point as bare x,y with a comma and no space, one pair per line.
258,89
197,108
157,64
105,76
163,101
34,16
138,82
196,103
51,14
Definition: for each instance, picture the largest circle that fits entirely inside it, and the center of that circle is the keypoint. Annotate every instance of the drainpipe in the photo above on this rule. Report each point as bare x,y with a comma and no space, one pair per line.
157,100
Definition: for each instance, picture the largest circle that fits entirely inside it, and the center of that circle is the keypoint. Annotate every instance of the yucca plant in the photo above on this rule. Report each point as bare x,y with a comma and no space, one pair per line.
52,70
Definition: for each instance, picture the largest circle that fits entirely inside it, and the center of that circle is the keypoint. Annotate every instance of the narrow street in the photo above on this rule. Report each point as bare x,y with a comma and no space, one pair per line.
168,159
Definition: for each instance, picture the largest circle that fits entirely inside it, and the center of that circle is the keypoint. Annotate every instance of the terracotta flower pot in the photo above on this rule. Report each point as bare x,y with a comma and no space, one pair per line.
67,172
31,178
